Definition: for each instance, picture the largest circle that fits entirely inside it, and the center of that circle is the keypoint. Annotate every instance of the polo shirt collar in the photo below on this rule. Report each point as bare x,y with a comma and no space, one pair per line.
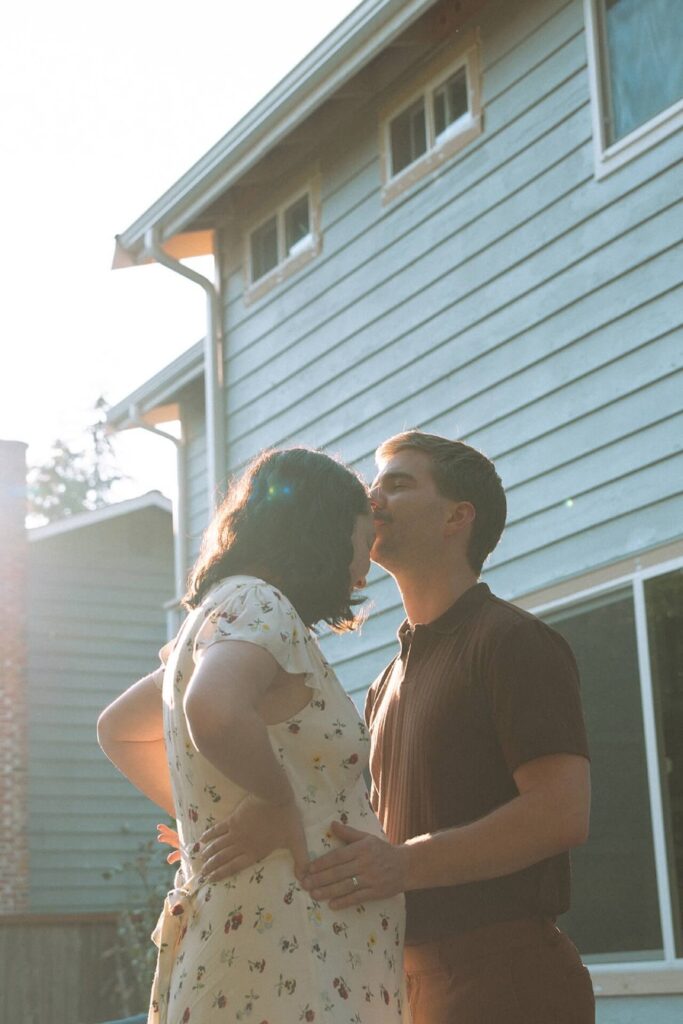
447,623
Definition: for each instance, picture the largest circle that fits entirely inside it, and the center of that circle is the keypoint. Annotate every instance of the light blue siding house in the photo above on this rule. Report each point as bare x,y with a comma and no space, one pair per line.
467,217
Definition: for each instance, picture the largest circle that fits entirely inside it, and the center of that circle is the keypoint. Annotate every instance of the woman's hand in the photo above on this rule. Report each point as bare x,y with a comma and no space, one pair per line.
165,834
254,830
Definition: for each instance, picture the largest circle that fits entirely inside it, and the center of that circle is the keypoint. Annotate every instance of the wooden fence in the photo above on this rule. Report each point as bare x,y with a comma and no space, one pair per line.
53,969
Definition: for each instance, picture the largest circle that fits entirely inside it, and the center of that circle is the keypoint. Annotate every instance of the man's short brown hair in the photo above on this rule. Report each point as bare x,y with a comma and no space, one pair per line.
461,473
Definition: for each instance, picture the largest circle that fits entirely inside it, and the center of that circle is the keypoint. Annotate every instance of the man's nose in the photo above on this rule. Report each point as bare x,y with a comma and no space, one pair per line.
376,499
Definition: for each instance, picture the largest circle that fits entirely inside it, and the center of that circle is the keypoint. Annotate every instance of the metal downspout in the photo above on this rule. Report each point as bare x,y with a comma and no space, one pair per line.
213,367
180,534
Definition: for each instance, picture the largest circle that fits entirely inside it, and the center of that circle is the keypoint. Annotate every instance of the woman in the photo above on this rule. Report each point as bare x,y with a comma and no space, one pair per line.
254,724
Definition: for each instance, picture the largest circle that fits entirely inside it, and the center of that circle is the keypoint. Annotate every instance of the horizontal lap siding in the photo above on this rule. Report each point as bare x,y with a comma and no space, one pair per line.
194,428
512,300
96,624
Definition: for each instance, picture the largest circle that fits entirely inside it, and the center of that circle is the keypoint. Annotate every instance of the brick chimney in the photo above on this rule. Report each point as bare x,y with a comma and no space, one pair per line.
13,711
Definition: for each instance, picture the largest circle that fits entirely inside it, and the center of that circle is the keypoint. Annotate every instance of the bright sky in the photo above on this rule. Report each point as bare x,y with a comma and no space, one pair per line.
102,108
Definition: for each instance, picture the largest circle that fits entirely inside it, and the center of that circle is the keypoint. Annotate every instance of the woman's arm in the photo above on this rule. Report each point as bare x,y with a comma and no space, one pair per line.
221,710
131,733
220,706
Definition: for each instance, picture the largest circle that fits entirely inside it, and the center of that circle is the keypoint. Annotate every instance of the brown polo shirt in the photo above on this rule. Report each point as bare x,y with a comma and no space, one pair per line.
469,698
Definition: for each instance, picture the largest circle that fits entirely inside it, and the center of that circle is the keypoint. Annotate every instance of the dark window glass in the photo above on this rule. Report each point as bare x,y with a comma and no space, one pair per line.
644,74
297,223
264,249
615,908
408,137
664,603
450,101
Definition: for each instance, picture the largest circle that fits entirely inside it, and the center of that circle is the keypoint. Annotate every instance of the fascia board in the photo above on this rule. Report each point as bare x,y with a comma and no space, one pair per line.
359,38
160,388
153,499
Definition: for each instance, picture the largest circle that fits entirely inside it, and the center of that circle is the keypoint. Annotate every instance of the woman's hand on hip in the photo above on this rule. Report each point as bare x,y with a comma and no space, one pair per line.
254,830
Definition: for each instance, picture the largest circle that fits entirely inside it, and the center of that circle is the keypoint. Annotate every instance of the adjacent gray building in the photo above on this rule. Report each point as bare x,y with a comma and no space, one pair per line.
82,602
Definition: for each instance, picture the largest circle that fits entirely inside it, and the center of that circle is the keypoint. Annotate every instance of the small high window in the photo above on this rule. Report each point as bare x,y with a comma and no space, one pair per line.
433,120
264,249
408,136
297,226
283,242
636,74
451,104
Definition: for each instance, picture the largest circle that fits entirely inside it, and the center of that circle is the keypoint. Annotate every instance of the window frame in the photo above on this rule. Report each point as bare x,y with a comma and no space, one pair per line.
609,157
628,977
434,75
287,263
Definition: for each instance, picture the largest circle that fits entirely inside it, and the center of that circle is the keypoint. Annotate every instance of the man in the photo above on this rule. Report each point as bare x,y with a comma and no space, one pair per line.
480,772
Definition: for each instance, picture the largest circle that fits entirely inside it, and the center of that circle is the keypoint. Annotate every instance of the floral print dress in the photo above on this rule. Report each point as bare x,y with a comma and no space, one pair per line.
257,947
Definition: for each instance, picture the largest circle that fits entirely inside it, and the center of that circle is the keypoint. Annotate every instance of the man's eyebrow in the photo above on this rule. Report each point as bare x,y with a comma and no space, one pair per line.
392,477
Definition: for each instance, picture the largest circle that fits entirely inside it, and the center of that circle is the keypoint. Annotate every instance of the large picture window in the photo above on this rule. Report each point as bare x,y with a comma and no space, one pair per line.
628,879
664,603
634,49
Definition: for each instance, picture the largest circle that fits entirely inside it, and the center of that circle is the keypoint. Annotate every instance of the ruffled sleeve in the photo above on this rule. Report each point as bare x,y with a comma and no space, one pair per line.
248,609
164,654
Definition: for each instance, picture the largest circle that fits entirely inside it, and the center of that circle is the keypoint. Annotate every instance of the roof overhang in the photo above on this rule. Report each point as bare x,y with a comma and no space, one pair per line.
369,28
153,499
180,247
155,401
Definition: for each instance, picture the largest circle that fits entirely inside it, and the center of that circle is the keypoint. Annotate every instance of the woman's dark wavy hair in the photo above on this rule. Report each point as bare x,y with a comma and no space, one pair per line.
288,519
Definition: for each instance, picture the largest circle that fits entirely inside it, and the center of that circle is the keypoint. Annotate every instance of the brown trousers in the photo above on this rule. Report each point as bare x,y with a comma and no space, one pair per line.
514,972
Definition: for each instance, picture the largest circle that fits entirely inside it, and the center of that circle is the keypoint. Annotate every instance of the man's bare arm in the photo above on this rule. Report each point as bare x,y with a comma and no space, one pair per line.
549,816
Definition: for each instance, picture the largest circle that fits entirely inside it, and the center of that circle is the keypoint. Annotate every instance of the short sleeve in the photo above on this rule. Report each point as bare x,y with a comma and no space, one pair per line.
535,695
164,654
258,613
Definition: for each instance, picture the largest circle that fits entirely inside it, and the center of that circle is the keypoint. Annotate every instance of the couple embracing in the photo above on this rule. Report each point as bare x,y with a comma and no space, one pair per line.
298,896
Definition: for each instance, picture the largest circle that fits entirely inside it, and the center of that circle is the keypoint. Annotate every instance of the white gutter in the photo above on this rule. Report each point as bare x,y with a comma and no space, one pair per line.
180,536
213,366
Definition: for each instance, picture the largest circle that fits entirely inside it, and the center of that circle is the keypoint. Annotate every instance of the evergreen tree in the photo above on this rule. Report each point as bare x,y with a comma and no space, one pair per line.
73,480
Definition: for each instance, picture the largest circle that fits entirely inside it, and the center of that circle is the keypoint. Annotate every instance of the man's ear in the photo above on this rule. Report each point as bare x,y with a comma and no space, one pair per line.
461,516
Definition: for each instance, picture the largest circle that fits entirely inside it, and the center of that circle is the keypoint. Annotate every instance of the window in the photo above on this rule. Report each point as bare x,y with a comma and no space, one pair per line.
285,241
264,254
664,604
628,879
451,104
408,137
636,75
282,236
436,117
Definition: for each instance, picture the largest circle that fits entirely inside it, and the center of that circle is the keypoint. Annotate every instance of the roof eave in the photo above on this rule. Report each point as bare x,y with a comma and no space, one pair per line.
153,499
359,38
160,390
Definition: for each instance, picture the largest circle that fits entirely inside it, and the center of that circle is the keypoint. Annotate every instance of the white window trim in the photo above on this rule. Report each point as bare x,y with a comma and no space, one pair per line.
435,74
305,250
610,158
658,977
